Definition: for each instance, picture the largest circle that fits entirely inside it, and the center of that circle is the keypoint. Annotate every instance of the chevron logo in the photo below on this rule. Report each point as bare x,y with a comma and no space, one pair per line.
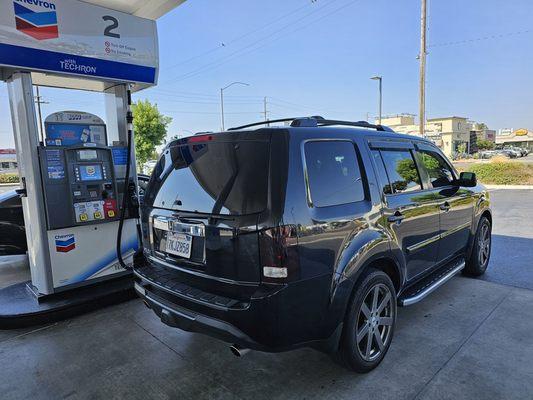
38,25
65,243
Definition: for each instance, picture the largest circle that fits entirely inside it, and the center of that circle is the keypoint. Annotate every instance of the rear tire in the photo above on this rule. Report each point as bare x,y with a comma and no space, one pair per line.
369,322
478,262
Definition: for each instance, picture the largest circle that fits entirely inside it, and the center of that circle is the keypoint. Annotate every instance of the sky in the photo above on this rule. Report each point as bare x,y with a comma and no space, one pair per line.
316,57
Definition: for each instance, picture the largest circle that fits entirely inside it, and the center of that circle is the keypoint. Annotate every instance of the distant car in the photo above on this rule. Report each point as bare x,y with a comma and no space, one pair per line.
149,166
486,154
518,152
505,153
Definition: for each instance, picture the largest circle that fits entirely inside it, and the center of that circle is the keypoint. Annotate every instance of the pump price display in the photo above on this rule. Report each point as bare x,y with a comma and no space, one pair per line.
179,244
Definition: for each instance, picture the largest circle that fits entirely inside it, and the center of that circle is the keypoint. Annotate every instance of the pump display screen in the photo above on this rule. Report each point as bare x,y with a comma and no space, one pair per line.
90,173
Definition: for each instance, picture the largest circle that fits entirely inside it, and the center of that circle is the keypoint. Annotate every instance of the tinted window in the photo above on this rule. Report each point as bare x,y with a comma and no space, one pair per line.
214,178
440,173
401,169
382,174
333,173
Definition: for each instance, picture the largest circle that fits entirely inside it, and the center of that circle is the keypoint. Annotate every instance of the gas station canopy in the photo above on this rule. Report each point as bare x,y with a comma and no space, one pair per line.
151,9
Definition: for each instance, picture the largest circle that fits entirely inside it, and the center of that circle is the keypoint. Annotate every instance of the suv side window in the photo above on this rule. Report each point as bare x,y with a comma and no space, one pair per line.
333,173
401,170
440,173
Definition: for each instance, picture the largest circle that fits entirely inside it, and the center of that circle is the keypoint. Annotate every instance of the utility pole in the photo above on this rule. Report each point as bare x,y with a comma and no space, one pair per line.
39,101
422,57
265,112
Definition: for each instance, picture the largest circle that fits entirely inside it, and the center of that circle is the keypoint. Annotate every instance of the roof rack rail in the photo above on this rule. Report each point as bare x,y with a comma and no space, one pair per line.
315,121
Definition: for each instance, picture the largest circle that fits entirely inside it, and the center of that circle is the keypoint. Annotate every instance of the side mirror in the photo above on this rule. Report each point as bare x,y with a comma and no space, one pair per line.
467,179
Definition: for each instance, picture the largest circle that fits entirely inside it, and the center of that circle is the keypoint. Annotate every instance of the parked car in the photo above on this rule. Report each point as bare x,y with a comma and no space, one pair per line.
12,231
306,235
507,153
518,152
487,154
523,152
148,167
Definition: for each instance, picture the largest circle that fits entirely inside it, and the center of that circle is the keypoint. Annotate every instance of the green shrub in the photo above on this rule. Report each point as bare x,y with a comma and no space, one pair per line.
503,173
9,178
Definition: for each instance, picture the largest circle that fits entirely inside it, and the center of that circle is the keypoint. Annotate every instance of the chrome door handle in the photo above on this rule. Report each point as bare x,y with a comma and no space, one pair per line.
445,206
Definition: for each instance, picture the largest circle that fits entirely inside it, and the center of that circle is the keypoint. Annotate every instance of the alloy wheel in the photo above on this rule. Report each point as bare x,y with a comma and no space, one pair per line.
484,245
375,322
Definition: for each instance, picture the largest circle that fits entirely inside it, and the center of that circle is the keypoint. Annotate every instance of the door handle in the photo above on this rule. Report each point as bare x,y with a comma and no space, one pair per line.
445,206
397,217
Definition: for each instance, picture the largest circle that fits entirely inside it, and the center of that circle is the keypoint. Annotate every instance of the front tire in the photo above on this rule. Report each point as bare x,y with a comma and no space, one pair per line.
479,259
369,323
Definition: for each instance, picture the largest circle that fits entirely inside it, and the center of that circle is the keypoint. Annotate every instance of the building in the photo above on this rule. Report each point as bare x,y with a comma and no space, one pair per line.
451,134
519,137
479,131
8,161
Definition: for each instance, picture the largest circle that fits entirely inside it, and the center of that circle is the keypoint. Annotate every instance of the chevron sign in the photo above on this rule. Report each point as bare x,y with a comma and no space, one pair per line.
65,243
39,25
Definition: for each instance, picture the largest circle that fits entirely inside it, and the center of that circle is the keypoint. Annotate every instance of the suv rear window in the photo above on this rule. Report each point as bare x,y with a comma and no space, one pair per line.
333,173
212,177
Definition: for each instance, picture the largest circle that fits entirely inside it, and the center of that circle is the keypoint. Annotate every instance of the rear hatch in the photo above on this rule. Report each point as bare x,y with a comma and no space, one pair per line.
206,200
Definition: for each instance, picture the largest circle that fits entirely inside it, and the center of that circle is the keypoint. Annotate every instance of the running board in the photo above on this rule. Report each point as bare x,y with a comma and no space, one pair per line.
430,283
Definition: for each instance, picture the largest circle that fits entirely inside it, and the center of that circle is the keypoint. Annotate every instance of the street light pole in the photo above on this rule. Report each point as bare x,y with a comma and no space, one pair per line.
422,56
380,79
222,100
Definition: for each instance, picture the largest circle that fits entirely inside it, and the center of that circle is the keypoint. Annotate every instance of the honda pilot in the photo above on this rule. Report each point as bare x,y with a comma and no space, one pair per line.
308,234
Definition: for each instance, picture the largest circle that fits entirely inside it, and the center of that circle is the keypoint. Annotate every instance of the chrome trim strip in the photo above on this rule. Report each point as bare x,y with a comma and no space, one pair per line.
415,299
418,246
455,230
174,225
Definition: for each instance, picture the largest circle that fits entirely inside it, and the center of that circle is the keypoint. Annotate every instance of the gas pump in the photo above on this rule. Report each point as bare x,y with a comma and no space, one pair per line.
83,180
73,181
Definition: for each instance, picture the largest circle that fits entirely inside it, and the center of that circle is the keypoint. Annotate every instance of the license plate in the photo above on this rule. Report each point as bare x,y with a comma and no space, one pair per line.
179,244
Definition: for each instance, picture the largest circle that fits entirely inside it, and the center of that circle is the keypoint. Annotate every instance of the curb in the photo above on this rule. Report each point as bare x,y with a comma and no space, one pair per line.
510,187
9,184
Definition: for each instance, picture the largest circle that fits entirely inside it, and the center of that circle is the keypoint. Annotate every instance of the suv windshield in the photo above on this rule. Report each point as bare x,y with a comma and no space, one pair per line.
214,177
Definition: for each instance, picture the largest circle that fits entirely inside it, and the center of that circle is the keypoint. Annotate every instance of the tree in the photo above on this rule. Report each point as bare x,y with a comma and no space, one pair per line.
150,127
485,144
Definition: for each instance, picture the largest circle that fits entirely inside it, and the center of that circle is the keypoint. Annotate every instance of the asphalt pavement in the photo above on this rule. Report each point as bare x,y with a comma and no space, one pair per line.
471,339
511,261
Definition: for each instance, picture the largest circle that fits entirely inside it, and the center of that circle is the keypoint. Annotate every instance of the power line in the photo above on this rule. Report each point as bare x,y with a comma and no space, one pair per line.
479,39
233,54
208,112
222,45
230,58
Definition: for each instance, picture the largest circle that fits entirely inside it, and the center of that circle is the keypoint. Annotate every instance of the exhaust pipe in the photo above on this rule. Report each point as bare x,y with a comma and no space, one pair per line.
238,351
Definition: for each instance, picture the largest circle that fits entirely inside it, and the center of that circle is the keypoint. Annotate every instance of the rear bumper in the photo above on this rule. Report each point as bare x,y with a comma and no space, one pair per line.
272,319
191,321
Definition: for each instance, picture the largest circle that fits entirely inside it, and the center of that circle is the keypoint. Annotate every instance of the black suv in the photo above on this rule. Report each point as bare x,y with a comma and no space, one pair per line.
308,234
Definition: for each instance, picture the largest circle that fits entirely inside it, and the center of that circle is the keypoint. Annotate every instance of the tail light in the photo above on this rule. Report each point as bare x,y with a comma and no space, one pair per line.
279,254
